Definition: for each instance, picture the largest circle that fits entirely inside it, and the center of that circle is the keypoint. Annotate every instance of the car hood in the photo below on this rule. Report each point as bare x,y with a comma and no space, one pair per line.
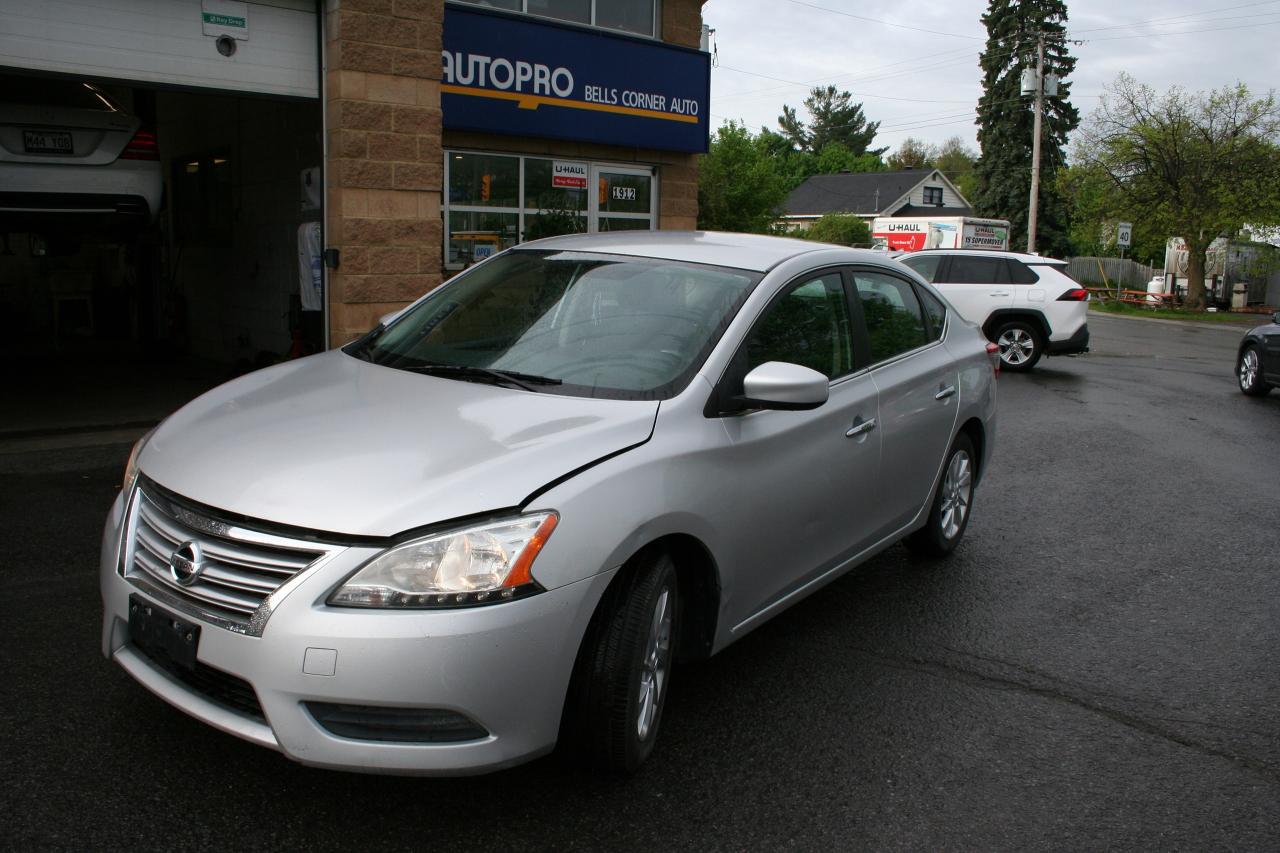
336,444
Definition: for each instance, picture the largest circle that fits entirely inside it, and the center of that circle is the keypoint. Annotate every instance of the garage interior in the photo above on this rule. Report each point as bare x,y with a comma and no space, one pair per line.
118,320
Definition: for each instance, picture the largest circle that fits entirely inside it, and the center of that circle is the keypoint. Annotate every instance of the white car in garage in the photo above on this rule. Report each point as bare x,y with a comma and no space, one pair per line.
67,149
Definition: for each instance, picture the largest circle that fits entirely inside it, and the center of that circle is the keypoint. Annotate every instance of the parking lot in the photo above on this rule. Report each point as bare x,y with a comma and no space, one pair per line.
1097,666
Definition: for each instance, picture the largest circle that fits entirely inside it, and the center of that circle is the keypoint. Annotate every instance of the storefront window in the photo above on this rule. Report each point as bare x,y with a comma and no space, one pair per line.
474,236
528,198
629,16
484,180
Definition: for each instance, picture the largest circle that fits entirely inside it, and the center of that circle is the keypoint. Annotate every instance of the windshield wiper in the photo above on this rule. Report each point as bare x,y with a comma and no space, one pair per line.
524,381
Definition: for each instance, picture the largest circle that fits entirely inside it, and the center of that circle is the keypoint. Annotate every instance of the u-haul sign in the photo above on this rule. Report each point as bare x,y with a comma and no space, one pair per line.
569,175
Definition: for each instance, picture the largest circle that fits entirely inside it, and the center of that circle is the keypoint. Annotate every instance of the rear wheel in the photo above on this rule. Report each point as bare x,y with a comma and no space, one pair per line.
623,671
1249,372
952,503
1020,345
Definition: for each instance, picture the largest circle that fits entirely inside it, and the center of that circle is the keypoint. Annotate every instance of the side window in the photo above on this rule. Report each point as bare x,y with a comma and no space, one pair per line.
1019,273
926,266
934,310
809,326
892,312
972,270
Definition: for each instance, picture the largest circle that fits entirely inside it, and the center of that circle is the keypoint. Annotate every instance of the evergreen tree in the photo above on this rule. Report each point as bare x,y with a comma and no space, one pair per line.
1006,120
833,117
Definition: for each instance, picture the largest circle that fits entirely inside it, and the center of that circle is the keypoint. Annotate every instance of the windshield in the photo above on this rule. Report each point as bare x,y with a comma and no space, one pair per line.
586,324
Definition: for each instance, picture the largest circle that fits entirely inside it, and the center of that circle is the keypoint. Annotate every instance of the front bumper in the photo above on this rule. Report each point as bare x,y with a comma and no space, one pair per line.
1077,343
504,666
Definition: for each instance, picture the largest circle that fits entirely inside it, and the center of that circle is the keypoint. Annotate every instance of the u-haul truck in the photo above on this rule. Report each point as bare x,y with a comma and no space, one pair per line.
911,233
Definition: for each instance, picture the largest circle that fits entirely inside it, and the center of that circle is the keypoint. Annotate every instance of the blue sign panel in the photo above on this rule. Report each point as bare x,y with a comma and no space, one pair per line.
513,75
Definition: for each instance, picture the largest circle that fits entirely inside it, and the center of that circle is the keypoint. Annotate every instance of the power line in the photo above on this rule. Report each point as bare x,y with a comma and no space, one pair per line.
1158,21
881,21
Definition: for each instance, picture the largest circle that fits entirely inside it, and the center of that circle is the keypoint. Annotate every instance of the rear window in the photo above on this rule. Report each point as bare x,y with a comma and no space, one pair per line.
46,92
977,270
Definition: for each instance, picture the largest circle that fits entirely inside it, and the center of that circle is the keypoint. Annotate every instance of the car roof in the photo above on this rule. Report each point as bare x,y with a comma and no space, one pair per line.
754,252
1025,257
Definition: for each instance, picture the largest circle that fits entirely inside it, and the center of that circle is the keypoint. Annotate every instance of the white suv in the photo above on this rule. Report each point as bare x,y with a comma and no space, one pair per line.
1024,303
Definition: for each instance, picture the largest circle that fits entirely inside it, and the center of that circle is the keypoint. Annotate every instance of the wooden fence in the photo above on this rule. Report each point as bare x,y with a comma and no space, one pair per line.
1111,272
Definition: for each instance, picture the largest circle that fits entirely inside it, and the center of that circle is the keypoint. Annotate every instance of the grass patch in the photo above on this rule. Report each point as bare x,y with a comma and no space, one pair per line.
1128,310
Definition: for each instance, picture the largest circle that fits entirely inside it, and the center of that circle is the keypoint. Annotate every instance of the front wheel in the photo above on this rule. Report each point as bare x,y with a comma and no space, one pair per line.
1020,345
1249,372
623,672
952,503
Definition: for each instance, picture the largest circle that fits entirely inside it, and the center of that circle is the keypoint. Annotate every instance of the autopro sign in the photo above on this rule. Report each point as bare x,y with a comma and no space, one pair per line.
511,75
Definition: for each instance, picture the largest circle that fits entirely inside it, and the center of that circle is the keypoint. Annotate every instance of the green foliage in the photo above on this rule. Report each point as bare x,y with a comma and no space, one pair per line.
740,185
833,117
838,228
1197,166
1094,216
912,153
1005,120
957,161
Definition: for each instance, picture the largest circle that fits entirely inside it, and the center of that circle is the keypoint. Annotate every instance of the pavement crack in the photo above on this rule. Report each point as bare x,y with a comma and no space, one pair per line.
991,681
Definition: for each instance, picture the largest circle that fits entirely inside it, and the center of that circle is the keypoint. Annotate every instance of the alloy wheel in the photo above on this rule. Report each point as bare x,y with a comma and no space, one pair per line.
1248,369
957,492
653,669
1016,346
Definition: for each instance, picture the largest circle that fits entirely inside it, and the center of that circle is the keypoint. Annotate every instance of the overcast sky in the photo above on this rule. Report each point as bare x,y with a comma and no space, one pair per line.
926,84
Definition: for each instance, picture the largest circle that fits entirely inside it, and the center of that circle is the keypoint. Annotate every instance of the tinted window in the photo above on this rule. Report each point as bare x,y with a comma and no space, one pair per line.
808,326
1019,274
892,313
925,265
935,311
974,270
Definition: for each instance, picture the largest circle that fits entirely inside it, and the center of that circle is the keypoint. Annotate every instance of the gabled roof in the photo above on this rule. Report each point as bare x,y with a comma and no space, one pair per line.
862,193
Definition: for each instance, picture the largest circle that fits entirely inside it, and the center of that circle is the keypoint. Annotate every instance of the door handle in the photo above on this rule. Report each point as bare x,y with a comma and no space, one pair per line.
944,393
995,293
861,428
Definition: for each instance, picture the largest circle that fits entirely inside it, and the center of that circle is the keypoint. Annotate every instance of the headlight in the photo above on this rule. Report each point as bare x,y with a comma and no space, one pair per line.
131,467
484,564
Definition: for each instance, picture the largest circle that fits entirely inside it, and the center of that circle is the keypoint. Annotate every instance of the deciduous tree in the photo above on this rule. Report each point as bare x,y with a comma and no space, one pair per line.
1193,165
740,187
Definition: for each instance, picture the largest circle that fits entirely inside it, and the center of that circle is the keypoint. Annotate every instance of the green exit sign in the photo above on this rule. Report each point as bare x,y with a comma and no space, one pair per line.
225,20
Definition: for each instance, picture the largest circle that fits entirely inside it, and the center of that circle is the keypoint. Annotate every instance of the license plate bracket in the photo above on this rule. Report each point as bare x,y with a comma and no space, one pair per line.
157,631
47,142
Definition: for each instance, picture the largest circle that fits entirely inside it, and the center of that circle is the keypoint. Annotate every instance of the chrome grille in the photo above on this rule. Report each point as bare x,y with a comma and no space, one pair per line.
241,567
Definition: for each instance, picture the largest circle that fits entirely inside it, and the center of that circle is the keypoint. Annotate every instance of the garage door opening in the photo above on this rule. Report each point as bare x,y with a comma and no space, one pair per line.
153,242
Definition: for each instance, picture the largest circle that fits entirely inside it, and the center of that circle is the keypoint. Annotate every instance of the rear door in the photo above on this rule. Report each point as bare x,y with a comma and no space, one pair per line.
917,382
976,285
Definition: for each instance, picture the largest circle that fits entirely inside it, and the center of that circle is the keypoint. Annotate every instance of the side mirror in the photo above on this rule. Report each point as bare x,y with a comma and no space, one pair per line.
781,385
1275,318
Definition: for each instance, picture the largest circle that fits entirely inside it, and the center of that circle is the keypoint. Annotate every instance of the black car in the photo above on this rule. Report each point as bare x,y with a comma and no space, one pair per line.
1258,362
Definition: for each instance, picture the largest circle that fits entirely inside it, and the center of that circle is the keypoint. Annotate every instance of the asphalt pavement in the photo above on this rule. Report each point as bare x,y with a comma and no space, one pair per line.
1097,666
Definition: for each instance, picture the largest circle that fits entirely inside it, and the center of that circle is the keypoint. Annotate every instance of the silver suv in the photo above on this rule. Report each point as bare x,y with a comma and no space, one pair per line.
497,521
1026,304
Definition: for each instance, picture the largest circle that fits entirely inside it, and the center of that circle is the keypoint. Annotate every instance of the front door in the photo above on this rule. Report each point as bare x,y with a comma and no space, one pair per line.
805,486
624,199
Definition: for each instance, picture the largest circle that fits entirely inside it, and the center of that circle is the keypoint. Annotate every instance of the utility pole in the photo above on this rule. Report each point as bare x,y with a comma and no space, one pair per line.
1034,209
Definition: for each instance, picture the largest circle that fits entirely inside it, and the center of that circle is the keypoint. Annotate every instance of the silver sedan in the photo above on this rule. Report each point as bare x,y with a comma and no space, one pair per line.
497,521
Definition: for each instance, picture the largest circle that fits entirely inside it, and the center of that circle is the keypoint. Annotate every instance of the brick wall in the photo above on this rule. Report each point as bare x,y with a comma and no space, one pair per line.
385,161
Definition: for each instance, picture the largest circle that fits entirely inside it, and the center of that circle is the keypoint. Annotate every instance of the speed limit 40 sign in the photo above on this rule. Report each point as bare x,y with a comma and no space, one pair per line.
1124,234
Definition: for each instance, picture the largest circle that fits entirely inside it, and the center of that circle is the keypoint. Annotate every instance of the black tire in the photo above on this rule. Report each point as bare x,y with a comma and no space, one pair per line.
940,535
1021,345
602,720
1250,379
